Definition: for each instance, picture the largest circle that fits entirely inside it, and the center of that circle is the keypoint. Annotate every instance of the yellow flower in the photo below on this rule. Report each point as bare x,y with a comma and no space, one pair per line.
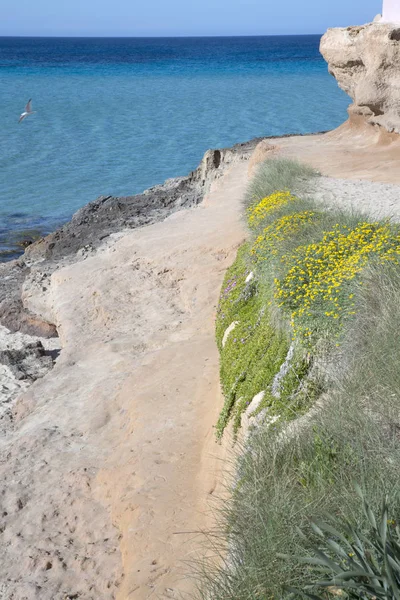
319,271
257,212
268,241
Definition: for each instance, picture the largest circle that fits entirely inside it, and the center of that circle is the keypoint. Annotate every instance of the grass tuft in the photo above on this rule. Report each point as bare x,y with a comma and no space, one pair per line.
279,174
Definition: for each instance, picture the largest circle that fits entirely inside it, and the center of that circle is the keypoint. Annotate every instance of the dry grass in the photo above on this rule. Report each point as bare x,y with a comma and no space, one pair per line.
279,174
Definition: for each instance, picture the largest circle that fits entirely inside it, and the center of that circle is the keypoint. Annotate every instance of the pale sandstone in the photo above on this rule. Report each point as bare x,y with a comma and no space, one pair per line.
228,332
365,60
119,439
264,150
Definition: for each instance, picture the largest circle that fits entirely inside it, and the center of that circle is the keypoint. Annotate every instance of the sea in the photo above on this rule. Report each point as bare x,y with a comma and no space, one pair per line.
118,115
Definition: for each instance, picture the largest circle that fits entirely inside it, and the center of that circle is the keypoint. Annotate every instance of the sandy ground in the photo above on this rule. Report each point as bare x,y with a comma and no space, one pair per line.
376,200
353,151
106,477
118,440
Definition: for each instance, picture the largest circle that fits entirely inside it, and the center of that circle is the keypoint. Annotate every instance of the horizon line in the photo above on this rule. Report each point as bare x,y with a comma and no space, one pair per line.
241,35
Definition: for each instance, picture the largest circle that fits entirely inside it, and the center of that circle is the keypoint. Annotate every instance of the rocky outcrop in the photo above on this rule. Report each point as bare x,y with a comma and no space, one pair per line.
264,150
365,61
30,362
90,228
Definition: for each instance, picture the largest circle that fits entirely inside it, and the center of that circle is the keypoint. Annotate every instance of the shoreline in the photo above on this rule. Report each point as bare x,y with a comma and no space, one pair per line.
139,309
96,222
17,240
116,442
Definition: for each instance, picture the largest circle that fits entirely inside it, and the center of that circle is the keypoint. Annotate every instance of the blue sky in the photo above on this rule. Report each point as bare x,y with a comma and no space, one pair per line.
181,17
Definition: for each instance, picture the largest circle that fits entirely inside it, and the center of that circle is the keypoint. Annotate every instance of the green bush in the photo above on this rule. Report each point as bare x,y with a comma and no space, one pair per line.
254,351
284,478
279,174
359,565
304,264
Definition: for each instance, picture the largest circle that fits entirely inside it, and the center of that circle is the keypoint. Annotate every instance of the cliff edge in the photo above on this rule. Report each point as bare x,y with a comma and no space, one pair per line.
365,61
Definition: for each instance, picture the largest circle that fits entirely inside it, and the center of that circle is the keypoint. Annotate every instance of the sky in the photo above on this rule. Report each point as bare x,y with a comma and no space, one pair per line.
180,17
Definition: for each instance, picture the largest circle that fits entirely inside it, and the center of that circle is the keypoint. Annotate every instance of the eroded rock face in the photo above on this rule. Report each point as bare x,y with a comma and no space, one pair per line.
264,150
365,61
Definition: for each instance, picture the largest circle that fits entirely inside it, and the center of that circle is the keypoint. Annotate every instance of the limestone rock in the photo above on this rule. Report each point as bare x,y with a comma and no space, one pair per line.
228,331
30,362
365,61
262,152
249,419
283,371
250,277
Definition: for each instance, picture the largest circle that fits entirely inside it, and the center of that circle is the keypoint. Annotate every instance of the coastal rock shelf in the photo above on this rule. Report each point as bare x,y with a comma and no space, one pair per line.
106,451
365,61
28,277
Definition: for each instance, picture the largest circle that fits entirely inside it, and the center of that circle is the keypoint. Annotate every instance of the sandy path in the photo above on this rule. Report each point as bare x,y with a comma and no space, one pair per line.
112,456
122,429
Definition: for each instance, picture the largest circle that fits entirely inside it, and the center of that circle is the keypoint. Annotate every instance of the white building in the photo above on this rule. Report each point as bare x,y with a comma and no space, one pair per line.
391,11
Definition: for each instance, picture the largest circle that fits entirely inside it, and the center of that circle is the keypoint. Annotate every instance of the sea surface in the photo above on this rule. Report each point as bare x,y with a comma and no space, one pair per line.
115,116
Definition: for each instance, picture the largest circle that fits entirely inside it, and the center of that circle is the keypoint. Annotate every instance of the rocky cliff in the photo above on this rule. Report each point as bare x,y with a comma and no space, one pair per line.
365,61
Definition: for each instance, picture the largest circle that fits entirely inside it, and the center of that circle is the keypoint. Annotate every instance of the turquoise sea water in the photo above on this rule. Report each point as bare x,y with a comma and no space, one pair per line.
115,116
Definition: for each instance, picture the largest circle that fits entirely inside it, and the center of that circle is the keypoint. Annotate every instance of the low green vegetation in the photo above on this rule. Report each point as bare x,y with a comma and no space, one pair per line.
280,174
254,351
315,299
360,565
292,289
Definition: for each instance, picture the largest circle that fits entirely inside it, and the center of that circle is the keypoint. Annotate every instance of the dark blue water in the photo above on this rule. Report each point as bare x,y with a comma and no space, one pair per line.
115,116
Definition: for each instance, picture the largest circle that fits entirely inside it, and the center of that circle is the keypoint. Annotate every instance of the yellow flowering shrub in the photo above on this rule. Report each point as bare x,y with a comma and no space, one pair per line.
305,258
267,243
257,212
317,273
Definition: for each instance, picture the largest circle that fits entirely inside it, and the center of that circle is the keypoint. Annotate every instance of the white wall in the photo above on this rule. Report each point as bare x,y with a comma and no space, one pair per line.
391,11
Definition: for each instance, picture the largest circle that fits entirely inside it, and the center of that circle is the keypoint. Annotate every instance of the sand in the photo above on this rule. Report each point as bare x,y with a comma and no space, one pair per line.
118,439
375,200
111,463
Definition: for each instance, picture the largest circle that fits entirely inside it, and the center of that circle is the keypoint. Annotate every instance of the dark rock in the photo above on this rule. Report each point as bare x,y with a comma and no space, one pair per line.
25,243
30,362
12,312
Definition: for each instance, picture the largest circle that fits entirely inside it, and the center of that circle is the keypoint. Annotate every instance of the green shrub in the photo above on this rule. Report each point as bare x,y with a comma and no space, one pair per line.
359,565
286,476
281,484
305,275
279,174
254,351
